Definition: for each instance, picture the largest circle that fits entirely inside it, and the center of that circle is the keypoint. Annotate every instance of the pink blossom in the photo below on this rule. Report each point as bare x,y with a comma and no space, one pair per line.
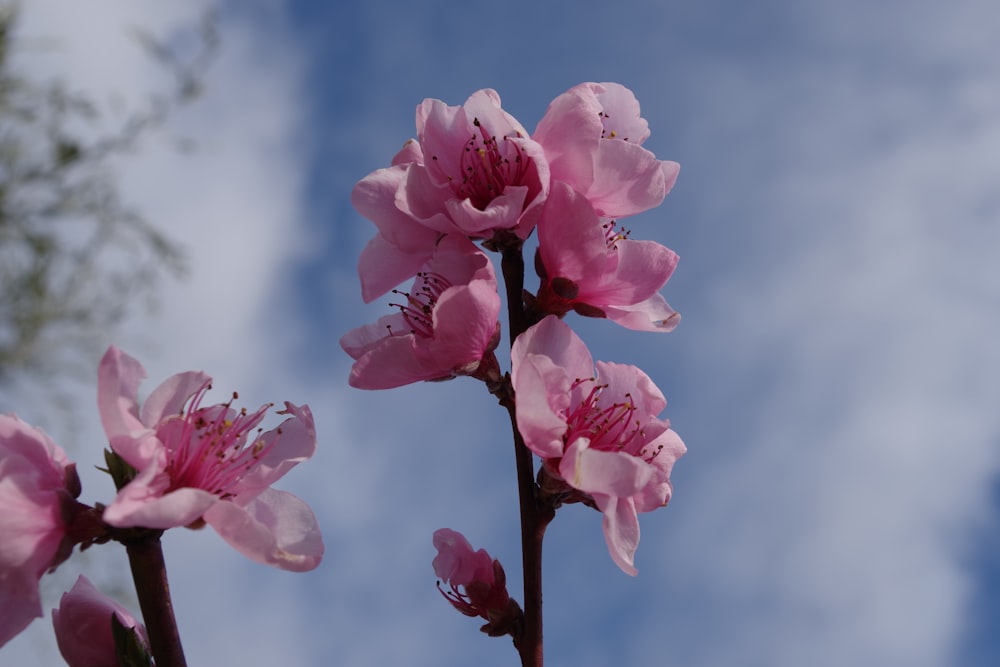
446,325
592,136
83,626
37,487
478,583
591,266
477,171
599,433
211,464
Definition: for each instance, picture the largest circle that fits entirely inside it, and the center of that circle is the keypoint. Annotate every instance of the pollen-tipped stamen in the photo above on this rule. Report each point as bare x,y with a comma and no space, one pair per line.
419,307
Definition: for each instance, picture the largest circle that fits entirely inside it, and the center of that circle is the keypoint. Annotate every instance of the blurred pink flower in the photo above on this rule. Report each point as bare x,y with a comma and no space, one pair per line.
592,136
83,626
478,583
38,485
589,265
194,463
600,433
447,325
476,172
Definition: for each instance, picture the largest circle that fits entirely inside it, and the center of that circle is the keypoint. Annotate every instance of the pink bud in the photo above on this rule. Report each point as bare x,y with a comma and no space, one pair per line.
83,626
478,583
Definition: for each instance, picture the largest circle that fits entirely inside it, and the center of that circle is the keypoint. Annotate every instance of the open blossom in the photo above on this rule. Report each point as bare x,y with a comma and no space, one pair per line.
599,433
37,486
473,171
589,265
82,623
478,583
592,136
446,325
211,463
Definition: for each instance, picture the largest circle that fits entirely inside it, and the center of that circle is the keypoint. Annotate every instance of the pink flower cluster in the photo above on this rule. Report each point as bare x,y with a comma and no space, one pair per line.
188,464
474,174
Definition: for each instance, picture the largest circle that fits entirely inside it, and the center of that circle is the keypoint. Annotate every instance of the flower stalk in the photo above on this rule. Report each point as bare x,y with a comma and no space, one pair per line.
149,572
534,516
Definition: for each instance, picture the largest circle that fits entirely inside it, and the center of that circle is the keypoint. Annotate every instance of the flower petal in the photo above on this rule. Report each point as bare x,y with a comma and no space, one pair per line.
275,528
621,530
142,503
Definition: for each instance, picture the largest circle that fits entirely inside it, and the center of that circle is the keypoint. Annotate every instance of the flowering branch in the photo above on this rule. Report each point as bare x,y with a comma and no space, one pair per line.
475,175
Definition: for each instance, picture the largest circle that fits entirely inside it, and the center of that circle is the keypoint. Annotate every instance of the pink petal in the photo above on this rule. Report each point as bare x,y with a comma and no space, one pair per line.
658,495
118,379
622,379
569,132
609,473
383,265
555,339
169,398
629,180
621,118
541,392
641,269
653,314
275,528
19,606
571,237
143,503
621,530
294,442
465,321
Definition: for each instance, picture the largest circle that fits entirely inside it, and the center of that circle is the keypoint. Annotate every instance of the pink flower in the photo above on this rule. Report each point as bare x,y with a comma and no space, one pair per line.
477,171
195,464
446,326
600,433
37,487
592,136
588,265
477,581
83,626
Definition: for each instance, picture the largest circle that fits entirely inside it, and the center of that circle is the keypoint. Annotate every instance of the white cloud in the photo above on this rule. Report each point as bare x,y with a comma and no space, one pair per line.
834,384
235,205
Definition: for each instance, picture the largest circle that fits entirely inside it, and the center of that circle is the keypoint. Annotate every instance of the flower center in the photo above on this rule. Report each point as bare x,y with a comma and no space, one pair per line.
613,234
210,449
610,428
488,166
608,132
419,306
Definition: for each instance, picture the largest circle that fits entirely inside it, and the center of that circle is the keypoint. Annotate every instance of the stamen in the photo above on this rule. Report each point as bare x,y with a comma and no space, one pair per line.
209,449
610,428
419,307
613,234
488,167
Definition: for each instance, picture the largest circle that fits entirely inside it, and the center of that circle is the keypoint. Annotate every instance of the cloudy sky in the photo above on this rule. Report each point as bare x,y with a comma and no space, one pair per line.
835,375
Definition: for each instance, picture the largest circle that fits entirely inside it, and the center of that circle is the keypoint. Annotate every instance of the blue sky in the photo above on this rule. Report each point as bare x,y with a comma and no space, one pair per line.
835,375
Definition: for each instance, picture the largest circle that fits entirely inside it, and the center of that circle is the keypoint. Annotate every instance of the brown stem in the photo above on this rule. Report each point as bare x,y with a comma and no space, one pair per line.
534,517
149,571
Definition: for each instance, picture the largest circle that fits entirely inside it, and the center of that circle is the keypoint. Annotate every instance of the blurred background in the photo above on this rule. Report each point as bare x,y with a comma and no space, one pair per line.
836,375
